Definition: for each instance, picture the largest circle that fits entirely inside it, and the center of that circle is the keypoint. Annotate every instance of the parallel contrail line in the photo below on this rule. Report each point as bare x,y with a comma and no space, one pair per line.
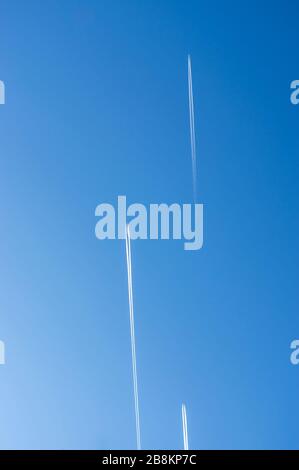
185,427
192,130
133,343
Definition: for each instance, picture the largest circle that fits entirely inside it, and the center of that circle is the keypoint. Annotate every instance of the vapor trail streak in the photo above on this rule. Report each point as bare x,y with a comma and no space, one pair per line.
192,129
185,427
133,343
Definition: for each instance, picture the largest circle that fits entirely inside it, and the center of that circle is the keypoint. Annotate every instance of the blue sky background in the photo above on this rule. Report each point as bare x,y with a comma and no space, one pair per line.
96,107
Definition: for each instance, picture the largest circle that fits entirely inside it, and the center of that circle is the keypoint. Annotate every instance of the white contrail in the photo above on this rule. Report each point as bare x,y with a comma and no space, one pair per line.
133,344
192,129
185,427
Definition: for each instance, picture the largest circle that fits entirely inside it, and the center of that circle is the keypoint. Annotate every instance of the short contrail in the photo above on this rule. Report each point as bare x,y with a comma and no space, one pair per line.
133,344
185,427
192,129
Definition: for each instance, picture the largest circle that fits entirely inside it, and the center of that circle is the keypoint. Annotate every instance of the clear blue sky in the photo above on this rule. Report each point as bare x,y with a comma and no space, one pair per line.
97,107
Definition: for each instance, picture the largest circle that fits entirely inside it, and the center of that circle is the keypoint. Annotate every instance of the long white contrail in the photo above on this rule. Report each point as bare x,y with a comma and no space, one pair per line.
192,130
185,427
133,343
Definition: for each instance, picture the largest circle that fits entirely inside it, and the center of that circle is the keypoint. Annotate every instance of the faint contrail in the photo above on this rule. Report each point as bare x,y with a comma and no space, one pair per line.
185,427
133,344
192,130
